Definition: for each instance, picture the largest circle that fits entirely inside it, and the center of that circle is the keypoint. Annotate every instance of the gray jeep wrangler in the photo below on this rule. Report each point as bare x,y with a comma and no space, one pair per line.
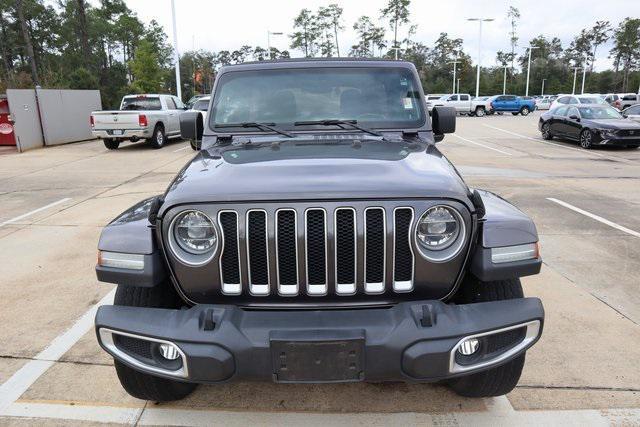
319,236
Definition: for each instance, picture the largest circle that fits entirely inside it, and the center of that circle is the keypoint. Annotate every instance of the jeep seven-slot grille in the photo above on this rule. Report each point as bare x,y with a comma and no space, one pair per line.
317,251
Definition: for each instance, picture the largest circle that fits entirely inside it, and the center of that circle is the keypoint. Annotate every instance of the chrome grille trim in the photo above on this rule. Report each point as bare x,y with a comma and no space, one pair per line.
346,288
373,288
404,285
287,290
229,288
258,289
316,289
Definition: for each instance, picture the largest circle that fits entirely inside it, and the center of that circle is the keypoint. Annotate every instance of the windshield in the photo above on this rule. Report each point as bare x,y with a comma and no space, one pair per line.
201,105
141,103
599,113
591,100
375,97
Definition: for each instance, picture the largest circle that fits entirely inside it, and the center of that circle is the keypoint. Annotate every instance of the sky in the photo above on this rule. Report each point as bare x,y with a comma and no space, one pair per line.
228,24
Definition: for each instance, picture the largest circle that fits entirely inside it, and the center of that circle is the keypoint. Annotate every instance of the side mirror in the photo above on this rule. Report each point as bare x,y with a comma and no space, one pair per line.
191,126
626,116
574,117
443,120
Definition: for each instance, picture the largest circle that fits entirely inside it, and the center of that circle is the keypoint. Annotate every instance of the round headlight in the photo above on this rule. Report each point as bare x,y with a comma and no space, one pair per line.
438,228
195,233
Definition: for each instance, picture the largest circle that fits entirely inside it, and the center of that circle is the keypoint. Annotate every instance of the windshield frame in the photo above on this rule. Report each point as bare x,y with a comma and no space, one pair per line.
423,124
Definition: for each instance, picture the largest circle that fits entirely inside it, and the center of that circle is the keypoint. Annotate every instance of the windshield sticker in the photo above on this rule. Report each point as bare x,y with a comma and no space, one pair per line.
408,103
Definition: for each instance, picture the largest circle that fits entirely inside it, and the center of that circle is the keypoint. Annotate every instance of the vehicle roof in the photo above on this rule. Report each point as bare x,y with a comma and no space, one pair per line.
316,63
147,94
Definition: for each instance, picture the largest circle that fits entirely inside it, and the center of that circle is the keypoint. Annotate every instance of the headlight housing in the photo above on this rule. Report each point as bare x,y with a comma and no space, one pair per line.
607,133
195,233
440,233
193,237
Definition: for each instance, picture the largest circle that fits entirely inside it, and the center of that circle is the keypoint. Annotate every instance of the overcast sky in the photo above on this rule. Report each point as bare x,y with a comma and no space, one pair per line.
228,24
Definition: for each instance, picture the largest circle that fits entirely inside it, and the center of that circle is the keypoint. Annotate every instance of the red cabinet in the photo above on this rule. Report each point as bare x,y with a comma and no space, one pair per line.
7,134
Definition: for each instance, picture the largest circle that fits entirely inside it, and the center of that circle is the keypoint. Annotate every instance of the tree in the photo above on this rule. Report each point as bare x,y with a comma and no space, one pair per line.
324,25
334,13
626,49
513,14
369,37
82,28
306,34
397,12
599,33
145,69
27,41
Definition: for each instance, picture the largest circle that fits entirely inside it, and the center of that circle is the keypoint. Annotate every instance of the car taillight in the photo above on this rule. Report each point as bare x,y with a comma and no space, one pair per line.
91,121
142,120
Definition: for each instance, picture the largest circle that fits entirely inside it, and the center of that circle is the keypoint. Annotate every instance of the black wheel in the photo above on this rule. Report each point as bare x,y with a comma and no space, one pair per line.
111,144
138,384
546,131
586,139
525,111
515,113
502,379
158,139
480,112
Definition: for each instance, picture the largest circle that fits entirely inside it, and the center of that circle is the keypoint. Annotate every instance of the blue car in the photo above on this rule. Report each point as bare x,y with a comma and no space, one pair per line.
513,104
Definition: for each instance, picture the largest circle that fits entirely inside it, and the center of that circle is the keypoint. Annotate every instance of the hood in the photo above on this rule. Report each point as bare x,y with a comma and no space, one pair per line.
296,170
614,124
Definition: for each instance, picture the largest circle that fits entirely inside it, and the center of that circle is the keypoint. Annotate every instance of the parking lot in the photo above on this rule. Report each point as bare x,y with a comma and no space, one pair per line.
584,370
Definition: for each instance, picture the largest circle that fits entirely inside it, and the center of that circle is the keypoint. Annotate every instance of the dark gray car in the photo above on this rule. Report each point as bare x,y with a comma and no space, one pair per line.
319,236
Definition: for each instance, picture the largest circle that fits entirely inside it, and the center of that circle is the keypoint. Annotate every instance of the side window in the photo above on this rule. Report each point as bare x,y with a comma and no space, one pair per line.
573,100
629,97
573,111
179,104
563,100
635,110
464,97
171,105
453,98
510,98
609,98
560,111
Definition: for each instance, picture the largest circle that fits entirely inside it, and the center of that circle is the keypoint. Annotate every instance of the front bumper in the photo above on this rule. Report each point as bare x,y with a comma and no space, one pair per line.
412,341
619,141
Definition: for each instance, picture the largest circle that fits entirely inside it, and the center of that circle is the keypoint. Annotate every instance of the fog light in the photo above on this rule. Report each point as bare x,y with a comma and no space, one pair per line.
169,351
468,347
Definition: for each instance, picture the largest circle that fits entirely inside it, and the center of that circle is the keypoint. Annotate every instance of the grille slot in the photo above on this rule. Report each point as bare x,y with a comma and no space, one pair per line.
287,251
316,240
345,241
375,248
403,255
230,258
257,252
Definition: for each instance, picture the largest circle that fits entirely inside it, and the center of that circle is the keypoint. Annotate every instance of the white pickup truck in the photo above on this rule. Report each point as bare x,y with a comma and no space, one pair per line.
146,116
463,103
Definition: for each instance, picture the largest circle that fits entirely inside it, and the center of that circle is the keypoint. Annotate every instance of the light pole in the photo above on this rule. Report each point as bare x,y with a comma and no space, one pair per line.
584,73
269,34
575,74
458,91
526,92
542,92
480,21
454,62
504,80
175,49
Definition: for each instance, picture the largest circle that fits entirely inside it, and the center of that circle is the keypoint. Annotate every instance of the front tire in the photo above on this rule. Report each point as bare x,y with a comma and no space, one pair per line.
480,112
546,131
502,379
586,139
111,144
525,111
142,385
158,139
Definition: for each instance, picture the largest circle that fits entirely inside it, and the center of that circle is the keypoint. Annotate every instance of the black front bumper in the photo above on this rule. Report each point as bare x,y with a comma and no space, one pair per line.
412,341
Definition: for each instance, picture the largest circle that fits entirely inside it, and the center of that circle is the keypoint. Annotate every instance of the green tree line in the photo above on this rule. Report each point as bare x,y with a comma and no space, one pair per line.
74,44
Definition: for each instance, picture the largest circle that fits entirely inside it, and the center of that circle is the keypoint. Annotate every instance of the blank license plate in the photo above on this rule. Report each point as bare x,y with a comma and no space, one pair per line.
317,361
117,132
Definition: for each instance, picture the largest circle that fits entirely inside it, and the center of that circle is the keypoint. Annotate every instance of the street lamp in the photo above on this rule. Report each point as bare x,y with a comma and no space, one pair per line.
542,92
458,91
480,21
504,80
526,92
269,34
454,62
175,50
575,74
584,72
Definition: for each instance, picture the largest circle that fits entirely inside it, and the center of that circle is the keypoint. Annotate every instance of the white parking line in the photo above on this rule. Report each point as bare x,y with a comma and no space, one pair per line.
19,382
482,145
50,205
183,148
594,216
540,140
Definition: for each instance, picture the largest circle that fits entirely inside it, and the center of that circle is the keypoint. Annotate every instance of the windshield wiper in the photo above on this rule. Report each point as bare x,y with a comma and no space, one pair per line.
336,122
268,126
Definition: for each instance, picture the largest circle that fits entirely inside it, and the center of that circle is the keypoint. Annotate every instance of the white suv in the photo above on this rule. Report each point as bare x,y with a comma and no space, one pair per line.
577,99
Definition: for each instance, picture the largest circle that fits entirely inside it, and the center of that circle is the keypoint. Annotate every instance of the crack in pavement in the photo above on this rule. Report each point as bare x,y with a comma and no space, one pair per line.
568,387
70,362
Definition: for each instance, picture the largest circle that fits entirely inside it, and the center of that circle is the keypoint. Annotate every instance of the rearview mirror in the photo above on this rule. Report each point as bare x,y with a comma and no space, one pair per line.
443,120
191,126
